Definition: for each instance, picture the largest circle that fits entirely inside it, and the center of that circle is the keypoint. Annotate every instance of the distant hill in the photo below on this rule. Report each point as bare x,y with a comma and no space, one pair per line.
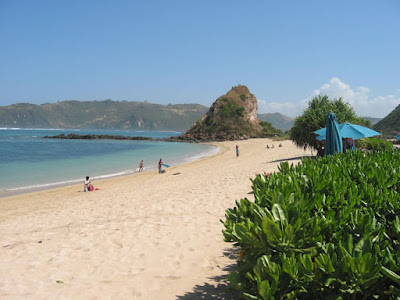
390,125
277,120
232,116
372,120
106,114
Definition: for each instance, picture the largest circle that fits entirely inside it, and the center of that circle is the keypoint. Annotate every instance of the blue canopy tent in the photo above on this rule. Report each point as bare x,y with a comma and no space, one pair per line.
333,138
348,130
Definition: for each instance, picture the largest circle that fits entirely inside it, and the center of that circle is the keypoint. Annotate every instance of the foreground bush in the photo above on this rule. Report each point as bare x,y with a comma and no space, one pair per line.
324,229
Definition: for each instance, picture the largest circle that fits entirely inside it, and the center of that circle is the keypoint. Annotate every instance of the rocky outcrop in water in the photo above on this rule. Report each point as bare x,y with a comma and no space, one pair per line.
232,116
73,136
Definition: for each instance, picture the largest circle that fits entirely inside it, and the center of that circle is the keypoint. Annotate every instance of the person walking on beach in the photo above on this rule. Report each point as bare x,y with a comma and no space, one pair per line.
141,166
159,166
237,150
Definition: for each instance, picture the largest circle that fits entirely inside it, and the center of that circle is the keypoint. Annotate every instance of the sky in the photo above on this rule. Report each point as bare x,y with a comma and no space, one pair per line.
285,52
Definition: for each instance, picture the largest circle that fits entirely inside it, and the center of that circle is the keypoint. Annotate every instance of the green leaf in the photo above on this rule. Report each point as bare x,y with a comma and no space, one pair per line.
264,289
392,275
396,225
308,263
350,243
242,233
363,246
250,297
329,281
272,231
235,280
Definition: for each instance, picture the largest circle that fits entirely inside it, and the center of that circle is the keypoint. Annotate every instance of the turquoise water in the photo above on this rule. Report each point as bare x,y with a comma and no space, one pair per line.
27,161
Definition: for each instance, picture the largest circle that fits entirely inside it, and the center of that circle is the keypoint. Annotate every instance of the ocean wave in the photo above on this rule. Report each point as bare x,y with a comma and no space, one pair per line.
196,156
44,185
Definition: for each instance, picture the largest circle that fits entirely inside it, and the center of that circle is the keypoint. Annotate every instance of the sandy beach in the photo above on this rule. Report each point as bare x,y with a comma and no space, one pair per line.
142,236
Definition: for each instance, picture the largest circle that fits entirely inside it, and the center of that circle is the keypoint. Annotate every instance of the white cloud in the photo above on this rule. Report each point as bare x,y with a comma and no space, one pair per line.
359,98
287,108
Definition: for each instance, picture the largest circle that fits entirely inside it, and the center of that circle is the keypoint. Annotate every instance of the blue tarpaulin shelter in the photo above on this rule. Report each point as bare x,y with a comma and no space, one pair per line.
348,130
333,137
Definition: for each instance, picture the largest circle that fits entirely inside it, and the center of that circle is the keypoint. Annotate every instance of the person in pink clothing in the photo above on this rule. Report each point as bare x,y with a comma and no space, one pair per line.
141,166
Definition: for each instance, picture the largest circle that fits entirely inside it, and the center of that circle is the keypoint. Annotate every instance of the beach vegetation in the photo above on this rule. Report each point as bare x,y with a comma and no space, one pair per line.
231,110
269,129
374,144
328,228
314,118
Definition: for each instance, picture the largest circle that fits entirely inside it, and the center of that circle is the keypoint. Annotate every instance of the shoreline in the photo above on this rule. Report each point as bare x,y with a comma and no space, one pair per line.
9,192
139,236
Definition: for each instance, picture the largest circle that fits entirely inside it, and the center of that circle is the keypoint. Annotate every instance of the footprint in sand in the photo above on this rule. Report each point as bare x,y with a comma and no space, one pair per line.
116,244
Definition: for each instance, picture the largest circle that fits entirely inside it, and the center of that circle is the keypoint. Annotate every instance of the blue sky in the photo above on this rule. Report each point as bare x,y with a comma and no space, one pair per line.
164,52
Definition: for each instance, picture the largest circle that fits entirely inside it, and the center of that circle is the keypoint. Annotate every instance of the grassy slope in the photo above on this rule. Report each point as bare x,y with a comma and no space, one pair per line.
102,115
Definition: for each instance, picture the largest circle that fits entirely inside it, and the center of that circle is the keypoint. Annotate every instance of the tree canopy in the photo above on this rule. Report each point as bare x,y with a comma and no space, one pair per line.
314,118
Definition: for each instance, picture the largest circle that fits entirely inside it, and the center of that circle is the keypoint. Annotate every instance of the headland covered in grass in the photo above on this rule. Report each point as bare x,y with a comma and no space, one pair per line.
139,236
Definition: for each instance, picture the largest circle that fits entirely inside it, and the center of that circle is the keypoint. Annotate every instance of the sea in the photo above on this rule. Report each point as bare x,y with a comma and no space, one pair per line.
29,162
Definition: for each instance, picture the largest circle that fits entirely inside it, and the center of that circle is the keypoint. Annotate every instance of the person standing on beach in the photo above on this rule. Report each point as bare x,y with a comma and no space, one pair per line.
159,166
141,166
237,150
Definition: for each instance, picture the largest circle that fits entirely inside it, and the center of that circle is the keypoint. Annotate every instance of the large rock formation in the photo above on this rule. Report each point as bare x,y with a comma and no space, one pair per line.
232,116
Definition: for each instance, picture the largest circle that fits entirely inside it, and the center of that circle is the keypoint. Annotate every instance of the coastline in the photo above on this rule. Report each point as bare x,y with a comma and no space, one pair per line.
139,236
9,192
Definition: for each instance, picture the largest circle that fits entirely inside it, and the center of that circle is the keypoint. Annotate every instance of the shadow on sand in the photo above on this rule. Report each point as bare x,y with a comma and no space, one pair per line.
220,288
292,158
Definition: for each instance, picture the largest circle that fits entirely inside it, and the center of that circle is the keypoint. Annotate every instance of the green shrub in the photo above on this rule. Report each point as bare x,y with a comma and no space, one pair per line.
268,129
374,144
325,229
231,110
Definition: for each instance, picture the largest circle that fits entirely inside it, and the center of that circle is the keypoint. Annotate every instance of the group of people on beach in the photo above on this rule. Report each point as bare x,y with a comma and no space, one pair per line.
272,146
89,187
160,164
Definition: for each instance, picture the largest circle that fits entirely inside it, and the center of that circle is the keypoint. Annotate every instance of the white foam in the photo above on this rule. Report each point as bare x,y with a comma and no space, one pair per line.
209,152
68,182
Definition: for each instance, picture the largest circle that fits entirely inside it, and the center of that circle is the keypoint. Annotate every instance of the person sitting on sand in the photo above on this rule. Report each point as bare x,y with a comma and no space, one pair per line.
141,166
87,185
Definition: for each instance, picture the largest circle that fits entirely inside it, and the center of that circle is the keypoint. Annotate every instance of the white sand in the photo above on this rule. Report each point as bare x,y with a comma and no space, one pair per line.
143,236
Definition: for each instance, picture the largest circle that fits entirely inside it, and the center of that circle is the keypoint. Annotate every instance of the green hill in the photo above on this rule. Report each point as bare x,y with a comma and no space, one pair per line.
106,114
277,120
390,125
